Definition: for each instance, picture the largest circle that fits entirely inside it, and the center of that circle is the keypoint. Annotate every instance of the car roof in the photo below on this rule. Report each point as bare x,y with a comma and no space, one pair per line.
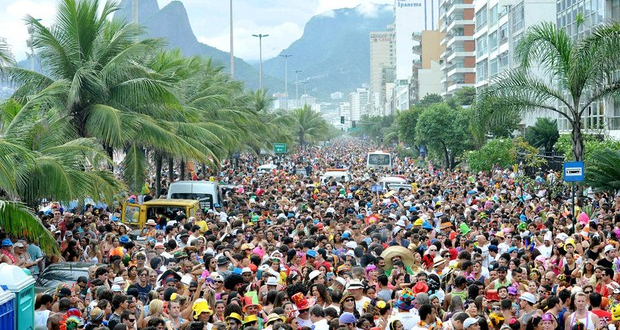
170,202
71,265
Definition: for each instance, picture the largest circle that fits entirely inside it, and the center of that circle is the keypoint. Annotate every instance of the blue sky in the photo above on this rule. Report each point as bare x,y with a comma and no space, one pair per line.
283,20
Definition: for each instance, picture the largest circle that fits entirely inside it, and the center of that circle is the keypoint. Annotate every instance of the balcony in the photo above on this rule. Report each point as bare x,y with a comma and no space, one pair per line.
417,49
458,85
416,64
416,36
459,68
457,21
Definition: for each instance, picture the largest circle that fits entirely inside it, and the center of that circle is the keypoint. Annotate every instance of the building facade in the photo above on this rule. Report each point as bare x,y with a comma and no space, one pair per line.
602,117
458,61
382,55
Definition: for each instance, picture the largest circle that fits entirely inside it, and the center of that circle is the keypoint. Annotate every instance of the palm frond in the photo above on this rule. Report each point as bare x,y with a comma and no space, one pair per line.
19,221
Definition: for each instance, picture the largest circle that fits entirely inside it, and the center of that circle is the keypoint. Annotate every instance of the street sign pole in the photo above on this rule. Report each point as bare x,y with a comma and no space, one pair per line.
574,172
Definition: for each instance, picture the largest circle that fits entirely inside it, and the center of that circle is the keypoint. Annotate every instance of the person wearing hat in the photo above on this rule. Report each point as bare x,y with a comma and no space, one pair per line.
303,305
272,319
201,310
250,321
356,288
234,321
6,252
471,323
609,253
526,303
404,304
348,320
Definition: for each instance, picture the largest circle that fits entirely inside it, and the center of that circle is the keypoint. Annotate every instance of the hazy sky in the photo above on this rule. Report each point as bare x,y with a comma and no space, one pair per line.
283,20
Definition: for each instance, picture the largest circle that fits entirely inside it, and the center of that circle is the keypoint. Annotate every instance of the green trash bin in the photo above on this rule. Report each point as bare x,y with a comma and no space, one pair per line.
22,285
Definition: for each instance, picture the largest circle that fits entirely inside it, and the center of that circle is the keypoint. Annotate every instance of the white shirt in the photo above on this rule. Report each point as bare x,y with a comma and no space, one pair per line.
408,319
359,304
321,325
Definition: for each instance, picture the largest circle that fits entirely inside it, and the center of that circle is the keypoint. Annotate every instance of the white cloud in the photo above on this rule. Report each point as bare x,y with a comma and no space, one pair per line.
247,47
13,27
366,6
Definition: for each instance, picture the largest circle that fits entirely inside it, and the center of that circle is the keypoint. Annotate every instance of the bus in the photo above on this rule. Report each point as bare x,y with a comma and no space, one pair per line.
379,160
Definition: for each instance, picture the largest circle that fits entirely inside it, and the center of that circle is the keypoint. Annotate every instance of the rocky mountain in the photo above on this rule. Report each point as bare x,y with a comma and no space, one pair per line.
172,24
333,52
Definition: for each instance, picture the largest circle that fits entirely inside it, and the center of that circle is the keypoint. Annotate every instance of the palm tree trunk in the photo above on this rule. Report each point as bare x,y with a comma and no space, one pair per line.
170,170
182,170
158,165
577,139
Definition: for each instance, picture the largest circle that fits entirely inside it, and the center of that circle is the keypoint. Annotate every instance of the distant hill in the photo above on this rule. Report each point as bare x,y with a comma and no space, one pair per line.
334,51
172,23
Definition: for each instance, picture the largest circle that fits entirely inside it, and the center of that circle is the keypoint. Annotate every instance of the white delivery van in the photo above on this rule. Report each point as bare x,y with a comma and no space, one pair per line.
264,169
336,174
206,192
388,181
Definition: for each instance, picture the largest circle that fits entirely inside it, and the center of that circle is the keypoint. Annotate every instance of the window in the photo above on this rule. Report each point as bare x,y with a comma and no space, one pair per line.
517,17
503,34
493,16
493,68
493,41
482,71
481,45
503,61
481,18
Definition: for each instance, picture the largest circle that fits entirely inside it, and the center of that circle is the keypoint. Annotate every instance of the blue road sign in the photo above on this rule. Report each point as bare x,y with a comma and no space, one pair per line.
574,171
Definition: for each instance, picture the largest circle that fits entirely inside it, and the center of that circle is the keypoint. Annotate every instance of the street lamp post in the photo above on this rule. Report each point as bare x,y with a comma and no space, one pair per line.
297,85
232,56
260,50
286,56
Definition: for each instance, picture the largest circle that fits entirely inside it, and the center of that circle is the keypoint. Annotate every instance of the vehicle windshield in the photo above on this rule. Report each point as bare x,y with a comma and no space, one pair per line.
379,159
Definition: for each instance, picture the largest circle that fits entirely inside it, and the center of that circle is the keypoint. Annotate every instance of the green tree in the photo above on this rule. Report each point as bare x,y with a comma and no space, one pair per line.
430,99
94,74
464,96
544,134
603,171
575,73
592,144
489,117
407,122
498,152
6,58
444,129
308,125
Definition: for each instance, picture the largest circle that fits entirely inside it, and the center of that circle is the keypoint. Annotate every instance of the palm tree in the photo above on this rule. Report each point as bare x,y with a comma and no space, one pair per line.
308,125
6,58
544,134
603,172
62,166
95,76
16,219
575,74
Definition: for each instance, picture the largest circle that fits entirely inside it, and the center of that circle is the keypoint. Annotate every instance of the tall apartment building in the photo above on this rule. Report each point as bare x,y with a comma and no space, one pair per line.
359,101
602,115
458,61
382,55
427,74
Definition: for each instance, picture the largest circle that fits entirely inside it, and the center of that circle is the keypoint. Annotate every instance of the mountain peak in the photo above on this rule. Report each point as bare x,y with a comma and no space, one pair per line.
146,9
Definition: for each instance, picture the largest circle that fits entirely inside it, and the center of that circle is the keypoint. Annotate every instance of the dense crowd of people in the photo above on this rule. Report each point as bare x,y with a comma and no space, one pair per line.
285,251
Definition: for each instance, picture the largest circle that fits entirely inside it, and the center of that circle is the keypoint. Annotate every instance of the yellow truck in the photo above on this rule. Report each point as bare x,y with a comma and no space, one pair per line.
135,215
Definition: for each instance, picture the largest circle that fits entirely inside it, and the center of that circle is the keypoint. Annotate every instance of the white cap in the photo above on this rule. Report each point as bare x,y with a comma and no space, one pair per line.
529,297
351,245
608,248
314,274
272,281
469,322
246,270
119,280
116,288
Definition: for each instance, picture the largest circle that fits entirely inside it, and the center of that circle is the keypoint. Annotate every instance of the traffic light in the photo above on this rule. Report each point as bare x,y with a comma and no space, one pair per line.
342,119
353,124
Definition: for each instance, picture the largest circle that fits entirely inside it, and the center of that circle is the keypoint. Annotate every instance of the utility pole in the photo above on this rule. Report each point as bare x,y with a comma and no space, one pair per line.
232,56
286,56
260,50
297,85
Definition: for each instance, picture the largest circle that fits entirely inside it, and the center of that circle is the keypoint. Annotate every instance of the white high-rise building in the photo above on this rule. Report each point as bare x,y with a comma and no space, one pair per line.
359,101
601,115
381,56
411,16
500,25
